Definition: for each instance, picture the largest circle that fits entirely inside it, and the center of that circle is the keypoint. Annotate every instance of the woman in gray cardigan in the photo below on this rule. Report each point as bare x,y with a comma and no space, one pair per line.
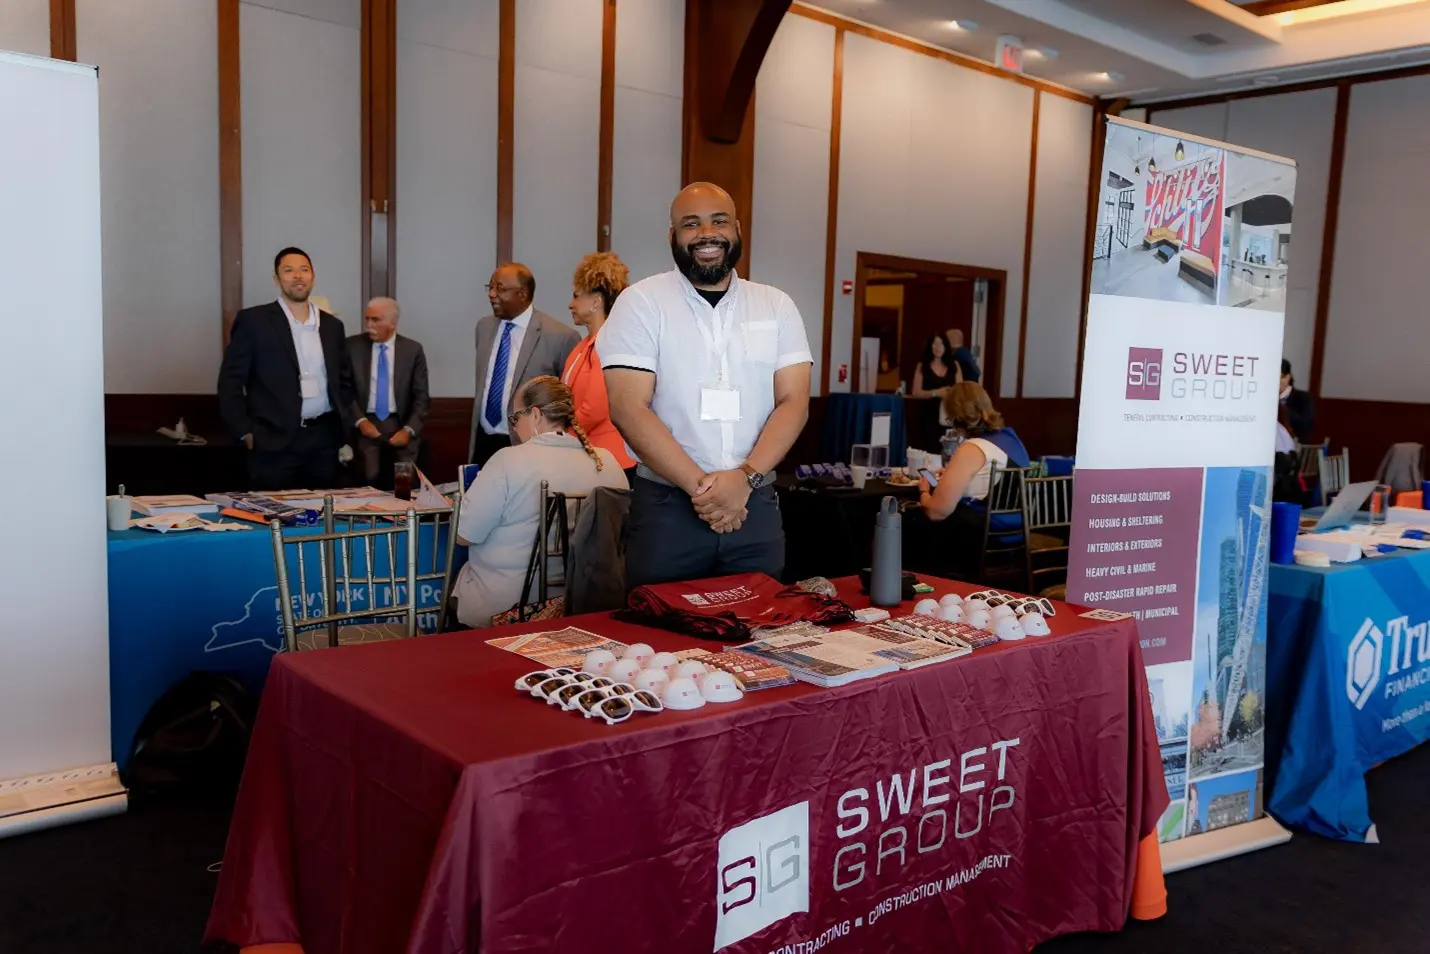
500,512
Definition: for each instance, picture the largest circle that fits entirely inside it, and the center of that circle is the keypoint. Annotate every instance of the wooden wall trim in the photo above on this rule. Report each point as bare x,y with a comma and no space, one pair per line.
831,223
63,44
937,52
379,135
1094,193
506,130
1328,237
230,167
1028,242
606,161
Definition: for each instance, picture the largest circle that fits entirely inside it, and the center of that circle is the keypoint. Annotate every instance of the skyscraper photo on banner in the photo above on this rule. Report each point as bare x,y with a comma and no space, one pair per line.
1176,439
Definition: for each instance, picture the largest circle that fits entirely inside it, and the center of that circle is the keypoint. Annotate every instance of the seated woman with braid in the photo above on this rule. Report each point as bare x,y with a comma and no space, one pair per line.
501,510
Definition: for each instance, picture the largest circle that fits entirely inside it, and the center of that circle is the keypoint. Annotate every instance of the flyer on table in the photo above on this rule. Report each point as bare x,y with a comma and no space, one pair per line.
1176,440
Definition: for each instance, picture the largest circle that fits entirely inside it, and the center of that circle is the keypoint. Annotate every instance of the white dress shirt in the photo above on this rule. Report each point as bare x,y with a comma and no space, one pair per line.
518,332
312,366
661,324
391,345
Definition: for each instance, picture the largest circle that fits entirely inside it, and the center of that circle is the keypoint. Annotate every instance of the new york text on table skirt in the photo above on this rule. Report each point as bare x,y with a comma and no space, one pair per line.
403,797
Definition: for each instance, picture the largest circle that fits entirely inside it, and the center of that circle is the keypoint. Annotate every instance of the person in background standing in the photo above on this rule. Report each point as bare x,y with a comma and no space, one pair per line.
1300,407
286,383
708,376
599,280
936,372
515,343
392,400
967,364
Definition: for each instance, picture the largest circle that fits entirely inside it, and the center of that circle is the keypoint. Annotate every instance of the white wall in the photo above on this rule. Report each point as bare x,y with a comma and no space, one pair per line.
446,194
645,174
790,207
1377,335
1298,126
25,26
933,164
301,91
158,94
557,137
1059,250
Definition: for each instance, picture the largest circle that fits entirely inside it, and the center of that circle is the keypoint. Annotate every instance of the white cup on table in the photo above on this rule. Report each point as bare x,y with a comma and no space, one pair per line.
116,509
860,473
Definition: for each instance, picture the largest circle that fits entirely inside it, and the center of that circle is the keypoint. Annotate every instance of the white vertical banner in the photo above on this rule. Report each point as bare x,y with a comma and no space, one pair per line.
1176,445
55,762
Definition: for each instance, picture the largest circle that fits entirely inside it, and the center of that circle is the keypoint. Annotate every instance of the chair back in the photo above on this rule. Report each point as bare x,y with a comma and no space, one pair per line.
1308,459
1004,537
1047,517
558,511
434,571
348,572
1335,474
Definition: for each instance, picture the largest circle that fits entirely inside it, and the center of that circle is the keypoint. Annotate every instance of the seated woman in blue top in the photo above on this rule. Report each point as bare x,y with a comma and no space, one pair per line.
964,484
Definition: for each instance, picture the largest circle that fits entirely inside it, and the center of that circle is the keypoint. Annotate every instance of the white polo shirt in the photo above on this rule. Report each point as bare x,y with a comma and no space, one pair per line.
661,324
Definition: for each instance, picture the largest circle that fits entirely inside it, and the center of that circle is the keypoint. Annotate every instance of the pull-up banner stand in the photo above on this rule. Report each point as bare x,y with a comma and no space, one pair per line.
1176,444
55,763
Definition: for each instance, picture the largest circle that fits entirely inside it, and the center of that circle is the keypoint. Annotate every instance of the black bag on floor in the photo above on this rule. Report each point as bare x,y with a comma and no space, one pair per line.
194,739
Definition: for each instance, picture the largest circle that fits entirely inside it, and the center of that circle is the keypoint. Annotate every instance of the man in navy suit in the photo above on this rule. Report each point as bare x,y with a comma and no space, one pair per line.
286,384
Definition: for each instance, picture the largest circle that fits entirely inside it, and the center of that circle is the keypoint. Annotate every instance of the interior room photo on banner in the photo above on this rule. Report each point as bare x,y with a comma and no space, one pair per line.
1175,444
1181,220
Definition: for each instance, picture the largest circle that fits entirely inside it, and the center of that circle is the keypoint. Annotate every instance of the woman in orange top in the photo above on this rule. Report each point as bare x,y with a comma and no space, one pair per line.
599,278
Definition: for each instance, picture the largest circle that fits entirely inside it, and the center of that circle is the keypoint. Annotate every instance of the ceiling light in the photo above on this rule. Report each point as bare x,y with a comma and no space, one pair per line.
1181,151
1109,76
1152,165
963,26
1047,52
1344,8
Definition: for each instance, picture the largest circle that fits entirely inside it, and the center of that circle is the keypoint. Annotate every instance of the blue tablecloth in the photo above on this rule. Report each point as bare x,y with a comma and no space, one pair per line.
1348,685
847,422
200,601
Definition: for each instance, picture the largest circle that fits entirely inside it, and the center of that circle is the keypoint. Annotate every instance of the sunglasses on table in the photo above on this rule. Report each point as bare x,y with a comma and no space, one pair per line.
617,703
531,680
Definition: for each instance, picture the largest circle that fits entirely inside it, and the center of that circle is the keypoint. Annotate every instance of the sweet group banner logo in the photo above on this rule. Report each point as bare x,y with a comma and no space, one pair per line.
1176,441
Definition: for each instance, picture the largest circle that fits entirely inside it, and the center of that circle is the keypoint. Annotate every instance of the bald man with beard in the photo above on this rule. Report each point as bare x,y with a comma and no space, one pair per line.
708,376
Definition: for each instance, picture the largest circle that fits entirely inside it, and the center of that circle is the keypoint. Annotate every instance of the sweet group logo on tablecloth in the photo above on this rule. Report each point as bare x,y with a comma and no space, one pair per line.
763,874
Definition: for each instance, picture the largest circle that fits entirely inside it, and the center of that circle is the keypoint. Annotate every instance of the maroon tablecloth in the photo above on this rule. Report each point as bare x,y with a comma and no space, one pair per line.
403,797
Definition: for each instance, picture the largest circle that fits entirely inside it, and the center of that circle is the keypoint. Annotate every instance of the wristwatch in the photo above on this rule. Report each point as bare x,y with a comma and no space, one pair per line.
753,477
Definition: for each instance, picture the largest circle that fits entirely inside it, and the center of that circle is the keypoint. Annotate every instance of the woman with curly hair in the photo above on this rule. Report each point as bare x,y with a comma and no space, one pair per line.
599,278
501,510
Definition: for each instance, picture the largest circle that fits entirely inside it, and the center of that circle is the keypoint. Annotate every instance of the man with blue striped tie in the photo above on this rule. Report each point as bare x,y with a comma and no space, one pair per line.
392,396
515,343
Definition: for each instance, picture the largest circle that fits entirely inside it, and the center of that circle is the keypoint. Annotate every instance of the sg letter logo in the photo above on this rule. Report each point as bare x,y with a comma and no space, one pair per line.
762,874
1144,374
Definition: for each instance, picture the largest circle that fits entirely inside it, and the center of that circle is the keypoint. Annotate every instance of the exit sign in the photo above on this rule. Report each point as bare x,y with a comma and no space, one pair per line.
1009,53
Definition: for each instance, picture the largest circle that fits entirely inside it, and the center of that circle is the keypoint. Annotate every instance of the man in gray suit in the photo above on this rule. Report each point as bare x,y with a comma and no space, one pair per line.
392,398
515,343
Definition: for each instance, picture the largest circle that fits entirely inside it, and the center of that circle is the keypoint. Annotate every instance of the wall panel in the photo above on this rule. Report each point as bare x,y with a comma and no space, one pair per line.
558,121
933,164
650,59
1059,248
1377,335
446,179
25,26
791,197
158,118
301,90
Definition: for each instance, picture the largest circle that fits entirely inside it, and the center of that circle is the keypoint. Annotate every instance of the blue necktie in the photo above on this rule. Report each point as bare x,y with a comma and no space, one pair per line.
493,410
382,410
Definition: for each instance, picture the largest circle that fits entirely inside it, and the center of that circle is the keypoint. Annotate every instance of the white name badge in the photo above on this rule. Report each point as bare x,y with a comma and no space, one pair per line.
719,404
308,386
